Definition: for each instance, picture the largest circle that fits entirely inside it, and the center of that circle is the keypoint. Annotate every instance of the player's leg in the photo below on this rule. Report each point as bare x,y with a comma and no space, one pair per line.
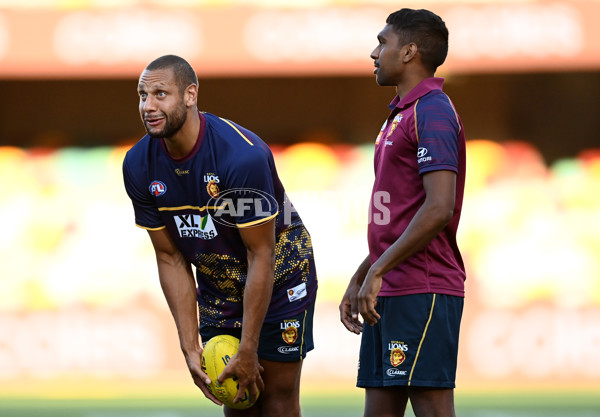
432,402
385,402
281,396
282,348
433,372
253,411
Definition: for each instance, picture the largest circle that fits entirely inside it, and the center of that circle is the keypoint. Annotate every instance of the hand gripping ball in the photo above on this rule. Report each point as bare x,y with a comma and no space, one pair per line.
216,355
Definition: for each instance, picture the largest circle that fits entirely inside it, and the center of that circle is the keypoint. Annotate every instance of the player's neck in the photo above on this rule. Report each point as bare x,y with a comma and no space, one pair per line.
410,81
182,143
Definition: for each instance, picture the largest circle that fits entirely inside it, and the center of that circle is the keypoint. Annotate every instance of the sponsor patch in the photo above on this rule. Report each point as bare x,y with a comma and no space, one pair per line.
288,349
196,226
297,292
395,372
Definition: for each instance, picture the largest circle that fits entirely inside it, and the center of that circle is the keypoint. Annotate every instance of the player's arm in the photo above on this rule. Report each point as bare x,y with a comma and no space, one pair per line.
179,288
260,246
430,219
349,304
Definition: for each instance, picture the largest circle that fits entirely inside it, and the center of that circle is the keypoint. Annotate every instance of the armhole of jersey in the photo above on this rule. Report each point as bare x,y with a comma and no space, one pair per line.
151,229
257,222
237,130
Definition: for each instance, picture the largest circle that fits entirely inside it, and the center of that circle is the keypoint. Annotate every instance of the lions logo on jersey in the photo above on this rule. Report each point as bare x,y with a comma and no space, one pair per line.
212,188
397,120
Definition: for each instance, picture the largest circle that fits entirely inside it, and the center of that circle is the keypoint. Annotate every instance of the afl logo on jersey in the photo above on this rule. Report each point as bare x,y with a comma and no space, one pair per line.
157,188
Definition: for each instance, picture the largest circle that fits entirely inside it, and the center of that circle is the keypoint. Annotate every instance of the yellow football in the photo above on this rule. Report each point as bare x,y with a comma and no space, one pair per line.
216,355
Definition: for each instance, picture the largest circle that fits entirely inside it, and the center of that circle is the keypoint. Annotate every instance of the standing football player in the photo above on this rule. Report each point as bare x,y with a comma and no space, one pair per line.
410,289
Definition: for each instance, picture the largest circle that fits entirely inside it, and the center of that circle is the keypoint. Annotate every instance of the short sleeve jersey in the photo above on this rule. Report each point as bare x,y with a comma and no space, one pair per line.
423,133
227,182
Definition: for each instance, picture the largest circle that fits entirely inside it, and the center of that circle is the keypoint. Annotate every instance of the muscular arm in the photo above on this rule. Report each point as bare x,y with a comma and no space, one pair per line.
260,245
430,219
179,288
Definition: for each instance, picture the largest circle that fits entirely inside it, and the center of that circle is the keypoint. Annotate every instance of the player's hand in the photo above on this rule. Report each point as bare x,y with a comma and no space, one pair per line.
367,297
245,368
200,378
349,309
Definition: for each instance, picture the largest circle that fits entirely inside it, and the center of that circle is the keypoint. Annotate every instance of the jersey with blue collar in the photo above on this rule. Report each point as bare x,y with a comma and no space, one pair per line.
228,181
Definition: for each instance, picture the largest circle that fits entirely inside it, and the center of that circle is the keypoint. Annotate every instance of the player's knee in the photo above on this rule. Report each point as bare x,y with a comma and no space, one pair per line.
281,407
281,400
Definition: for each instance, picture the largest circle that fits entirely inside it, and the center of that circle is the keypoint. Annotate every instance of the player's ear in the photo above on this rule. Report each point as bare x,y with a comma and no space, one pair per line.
190,95
410,52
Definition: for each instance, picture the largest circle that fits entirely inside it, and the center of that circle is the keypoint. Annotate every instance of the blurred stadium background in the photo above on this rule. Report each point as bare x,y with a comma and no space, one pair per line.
84,329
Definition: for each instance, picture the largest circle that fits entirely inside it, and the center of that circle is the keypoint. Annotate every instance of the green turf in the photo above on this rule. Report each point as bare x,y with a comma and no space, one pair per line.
499,405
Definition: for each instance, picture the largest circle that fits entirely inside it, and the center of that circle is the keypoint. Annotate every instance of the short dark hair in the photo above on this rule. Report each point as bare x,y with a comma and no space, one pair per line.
425,29
183,71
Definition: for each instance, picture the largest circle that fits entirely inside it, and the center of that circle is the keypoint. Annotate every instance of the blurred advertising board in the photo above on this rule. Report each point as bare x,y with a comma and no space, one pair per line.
245,40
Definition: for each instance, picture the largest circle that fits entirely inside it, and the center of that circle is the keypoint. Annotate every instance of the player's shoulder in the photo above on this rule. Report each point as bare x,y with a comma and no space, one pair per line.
139,151
435,105
436,98
231,131
241,142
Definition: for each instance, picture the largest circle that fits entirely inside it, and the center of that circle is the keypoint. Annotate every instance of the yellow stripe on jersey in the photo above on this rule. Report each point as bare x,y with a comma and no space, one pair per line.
190,208
416,128
421,342
455,113
259,221
152,229
237,130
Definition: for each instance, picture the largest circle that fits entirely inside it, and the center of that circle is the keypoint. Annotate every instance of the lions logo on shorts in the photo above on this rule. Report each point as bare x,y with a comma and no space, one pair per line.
290,332
397,356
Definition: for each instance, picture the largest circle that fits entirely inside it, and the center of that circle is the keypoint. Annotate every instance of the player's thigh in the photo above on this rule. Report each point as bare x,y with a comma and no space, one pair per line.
432,402
281,396
386,401
253,411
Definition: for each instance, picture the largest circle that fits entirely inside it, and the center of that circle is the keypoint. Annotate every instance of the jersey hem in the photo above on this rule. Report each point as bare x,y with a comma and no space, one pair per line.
396,293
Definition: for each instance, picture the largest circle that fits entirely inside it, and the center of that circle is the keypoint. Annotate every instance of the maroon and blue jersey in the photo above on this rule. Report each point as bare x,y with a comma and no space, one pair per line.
228,181
423,133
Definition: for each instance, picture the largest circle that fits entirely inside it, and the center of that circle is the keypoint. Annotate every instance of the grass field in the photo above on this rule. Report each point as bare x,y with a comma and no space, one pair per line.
487,405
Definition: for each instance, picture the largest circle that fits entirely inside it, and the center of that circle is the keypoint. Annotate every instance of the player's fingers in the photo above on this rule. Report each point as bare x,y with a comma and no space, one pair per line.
241,393
253,391
224,375
206,391
260,383
366,311
352,324
204,377
372,313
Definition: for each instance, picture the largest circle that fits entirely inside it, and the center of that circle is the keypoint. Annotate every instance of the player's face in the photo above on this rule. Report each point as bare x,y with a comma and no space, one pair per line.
388,57
162,105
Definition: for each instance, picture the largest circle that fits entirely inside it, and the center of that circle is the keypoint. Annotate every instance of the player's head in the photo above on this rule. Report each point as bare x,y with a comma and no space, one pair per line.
426,30
168,89
183,71
412,40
